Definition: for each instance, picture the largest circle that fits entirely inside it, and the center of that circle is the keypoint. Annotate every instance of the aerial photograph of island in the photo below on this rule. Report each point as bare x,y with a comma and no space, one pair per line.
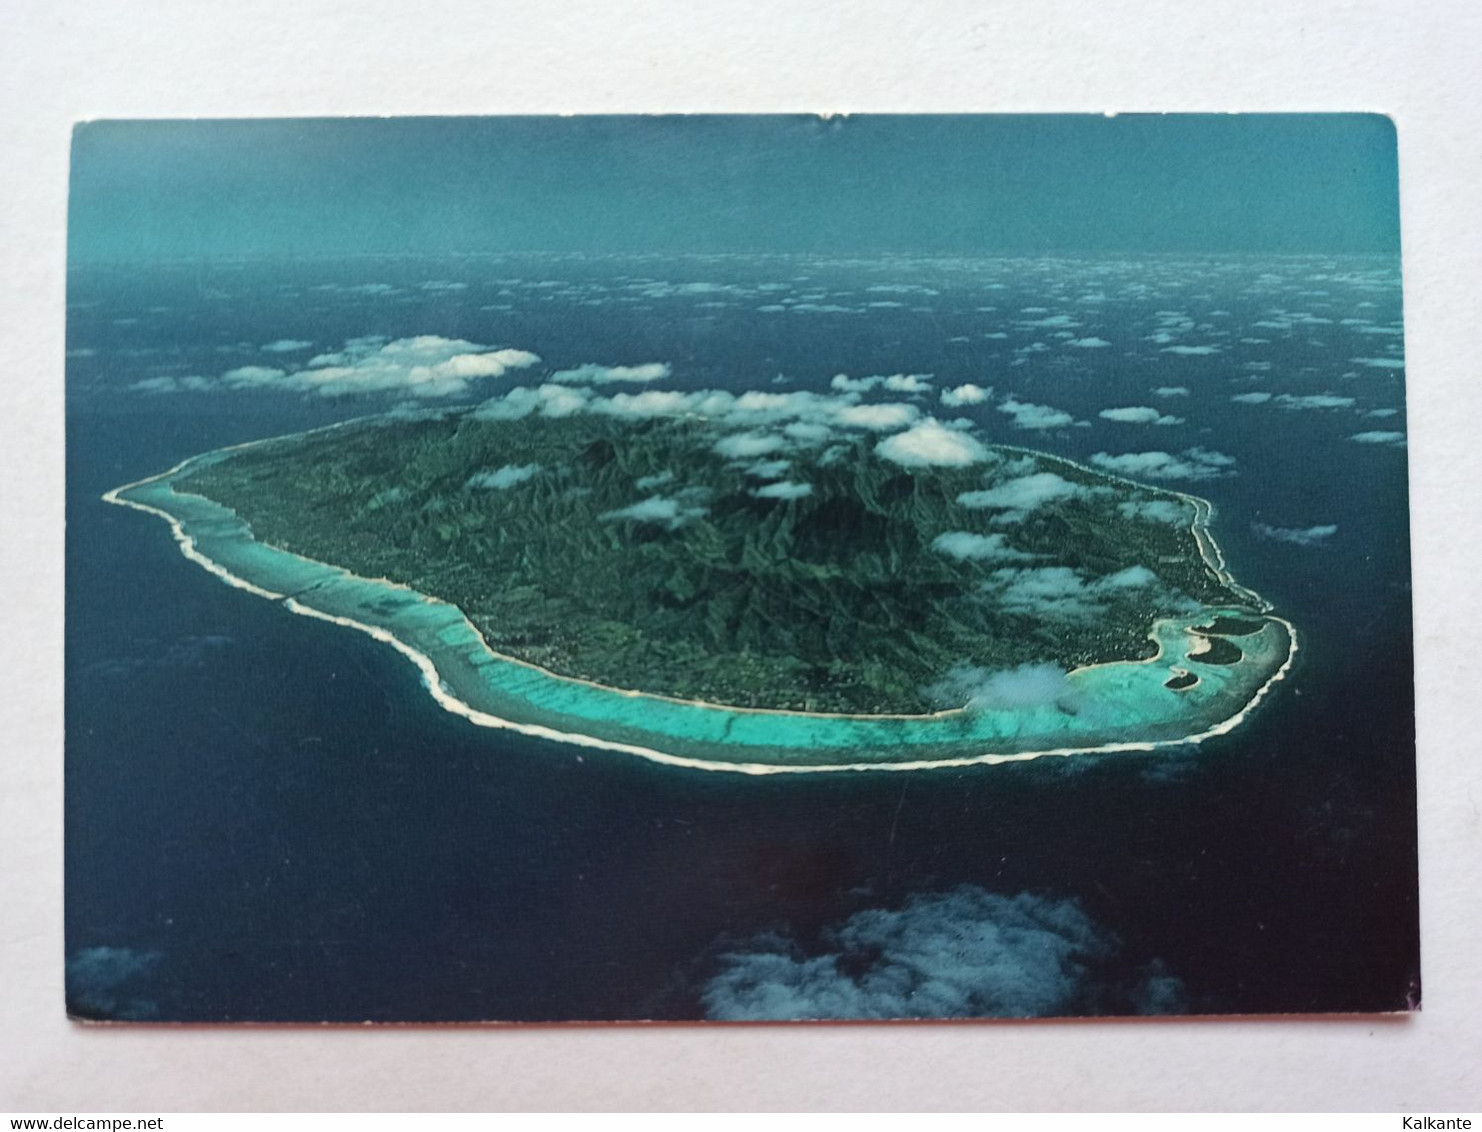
737,568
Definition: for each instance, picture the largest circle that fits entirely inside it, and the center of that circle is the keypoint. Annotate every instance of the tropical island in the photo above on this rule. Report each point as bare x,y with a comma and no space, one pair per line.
759,581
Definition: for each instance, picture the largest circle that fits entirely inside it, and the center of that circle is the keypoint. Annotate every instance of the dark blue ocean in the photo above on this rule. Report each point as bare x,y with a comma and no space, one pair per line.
268,818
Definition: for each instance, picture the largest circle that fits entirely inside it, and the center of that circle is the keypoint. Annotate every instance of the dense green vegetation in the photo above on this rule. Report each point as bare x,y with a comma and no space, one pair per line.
835,601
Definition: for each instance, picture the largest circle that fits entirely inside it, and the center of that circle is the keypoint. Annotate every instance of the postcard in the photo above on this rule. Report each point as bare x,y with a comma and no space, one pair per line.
737,568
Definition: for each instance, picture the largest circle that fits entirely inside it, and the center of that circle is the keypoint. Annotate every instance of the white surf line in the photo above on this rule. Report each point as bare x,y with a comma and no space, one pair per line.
446,699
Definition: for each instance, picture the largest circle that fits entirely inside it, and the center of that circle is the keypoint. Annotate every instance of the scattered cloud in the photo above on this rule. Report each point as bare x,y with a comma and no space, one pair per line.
1254,398
964,545
423,367
1172,511
501,479
768,469
968,394
592,374
671,512
745,445
287,346
1314,401
1023,494
1379,363
1396,439
1027,415
931,443
784,489
658,479
99,981
1139,414
958,954
1191,351
1004,689
1171,391
1297,536
894,383
1060,593
1192,464
1092,343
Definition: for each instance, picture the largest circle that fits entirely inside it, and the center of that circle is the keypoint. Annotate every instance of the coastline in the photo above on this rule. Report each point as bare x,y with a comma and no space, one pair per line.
437,682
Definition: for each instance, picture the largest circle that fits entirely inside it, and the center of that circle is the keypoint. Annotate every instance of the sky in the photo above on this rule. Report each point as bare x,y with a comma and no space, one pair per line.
871,184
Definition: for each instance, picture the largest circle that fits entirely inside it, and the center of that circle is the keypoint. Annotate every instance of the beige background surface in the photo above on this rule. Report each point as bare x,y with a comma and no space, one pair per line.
1418,61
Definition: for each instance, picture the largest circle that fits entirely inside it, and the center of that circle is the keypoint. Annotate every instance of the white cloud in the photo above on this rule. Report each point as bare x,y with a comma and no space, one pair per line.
1397,439
744,445
963,953
895,383
593,374
1379,363
672,513
1315,401
1192,464
1297,536
1027,415
1024,493
877,418
1059,593
548,400
968,394
1003,689
1256,398
658,479
501,479
768,469
423,367
1092,343
1171,391
931,443
964,545
287,346
1172,511
1191,351
784,489
1139,414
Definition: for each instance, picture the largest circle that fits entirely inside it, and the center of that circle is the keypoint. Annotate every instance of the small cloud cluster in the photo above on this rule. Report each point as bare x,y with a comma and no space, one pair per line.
1021,495
287,346
931,444
1059,593
1297,536
1169,511
965,546
968,394
1393,439
422,367
894,383
1031,416
1139,414
1313,401
958,954
784,489
99,979
1191,464
1004,689
1171,391
671,512
502,479
592,374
